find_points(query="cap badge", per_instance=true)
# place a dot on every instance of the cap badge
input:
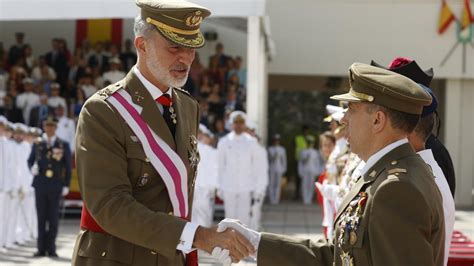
(194, 19)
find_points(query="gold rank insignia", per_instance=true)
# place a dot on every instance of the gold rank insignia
(194, 153)
(347, 259)
(194, 19)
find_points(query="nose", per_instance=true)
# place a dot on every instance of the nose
(345, 119)
(187, 55)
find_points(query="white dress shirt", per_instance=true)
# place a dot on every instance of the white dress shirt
(381, 153)
(187, 236)
(26, 101)
(448, 201)
(66, 130)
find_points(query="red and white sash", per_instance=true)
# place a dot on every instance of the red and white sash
(165, 160)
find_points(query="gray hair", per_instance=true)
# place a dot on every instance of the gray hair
(141, 28)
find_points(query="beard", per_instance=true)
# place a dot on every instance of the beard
(162, 73)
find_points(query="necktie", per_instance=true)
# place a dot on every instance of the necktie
(168, 112)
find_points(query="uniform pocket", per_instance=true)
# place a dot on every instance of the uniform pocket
(105, 247)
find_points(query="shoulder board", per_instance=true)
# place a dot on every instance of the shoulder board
(396, 171)
(109, 90)
(185, 92)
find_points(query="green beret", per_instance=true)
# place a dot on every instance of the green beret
(177, 21)
(385, 88)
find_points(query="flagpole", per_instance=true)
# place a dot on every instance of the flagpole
(449, 53)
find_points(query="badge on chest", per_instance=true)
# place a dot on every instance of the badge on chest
(350, 220)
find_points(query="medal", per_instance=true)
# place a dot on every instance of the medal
(194, 153)
(173, 114)
(352, 238)
(347, 259)
(49, 173)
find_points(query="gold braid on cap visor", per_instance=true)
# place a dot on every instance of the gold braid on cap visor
(170, 28)
(362, 96)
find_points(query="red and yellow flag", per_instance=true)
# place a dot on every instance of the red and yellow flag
(446, 17)
(466, 18)
(95, 30)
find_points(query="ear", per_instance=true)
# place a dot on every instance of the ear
(379, 121)
(140, 45)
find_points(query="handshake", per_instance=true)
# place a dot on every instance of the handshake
(229, 242)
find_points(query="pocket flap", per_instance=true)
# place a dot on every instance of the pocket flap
(105, 247)
(136, 152)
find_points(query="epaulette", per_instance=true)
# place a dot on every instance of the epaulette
(109, 90)
(186, 93)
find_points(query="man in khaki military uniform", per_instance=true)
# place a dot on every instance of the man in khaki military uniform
(393, 215)
(137, 153)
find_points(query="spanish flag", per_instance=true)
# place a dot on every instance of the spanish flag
(446, 16)
(466, 18)
(99, 30)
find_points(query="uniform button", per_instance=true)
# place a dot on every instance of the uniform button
(103, 254)
(170, 213)
(153, 252)
(147, 160)
(394, 162)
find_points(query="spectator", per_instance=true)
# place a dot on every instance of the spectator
(3, 77)
(77, 67)
(215, 101)
(98, 57)
(197, 71)
(17, 74)
(220, 56)
(66, 127)
(219, 128)
(232, 104)
(57, 59)
(128, 56)
(55, 99)
(28, 57)
(10, 111)
(80, 100)
(86, 86)
(41, 111)
(114, 74)
(205, 87)
(27, 100)
(16, 51)
(43, 72)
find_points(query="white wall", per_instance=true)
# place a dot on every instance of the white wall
(324, 37)
(459, 128)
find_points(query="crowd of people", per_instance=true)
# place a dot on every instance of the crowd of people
(66, 78)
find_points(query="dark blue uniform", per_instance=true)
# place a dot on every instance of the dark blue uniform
(54, 173)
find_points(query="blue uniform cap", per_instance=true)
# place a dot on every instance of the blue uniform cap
(429, 109)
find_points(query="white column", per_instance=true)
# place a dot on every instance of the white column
(459, 128)
(256, 96)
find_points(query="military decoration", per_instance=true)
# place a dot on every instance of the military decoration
(143, 180)
(173, 114)
(49, 173)
(58, 154)
(194, 153)
(347, 259)
(350, 220)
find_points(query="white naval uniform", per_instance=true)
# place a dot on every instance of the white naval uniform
(66, 130)
(24, 229)
(55, 101)
(258, 194)
(12, 188)
(237, 167)
(448, 201)
(310, 166)
(113, 76)
(277, 167)
(4, 169)
(205, 187)
(26, 101)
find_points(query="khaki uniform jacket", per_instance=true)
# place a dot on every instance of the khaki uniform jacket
(120, 187)
(400, 223)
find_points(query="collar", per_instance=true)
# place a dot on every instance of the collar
(154, 91)
(53, 139)
(378, 155)
(427, 156)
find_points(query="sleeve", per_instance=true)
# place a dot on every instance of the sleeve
(221, 153)
(291, 251)
(284, 160)
(400, 231)
(262, 169)
(32, 157)
(106, 187)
